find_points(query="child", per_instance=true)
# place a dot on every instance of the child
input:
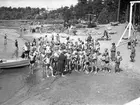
(87, 64)
(105, 60)
(94, 62)
(49, 69)
(133, 53)
(113, 52)
(117, 62)
(32, 57)
(97, 47)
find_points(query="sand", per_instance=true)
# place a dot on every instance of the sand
(97, 33)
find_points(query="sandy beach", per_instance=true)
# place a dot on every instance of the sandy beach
(77, 88)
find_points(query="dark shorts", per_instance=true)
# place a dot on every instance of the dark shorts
(26, 52)
(48, 65)
(87, 63)
(32, 62)
(129, 43)
(117, 63)
(106, 62)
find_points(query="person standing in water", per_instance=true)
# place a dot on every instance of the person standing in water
(5, 40)
(16, 50)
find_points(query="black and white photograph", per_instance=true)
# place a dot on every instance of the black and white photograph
(69, 52)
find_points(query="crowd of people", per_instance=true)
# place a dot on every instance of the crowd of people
(58, 58)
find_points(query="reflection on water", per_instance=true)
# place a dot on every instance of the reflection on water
(12, 80)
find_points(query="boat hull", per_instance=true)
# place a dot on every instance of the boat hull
(14, 64)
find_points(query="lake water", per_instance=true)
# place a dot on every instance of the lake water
(13, 80)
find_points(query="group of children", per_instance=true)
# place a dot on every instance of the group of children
(56, 57)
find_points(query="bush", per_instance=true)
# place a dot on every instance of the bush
(105, 17)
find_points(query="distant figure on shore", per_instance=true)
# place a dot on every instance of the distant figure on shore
(21, 31)
(5, 40)
(105, 35)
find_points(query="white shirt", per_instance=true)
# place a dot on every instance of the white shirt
(94, 56)
(47, 60)
(25, 48)
(56, 54)
(48, 49)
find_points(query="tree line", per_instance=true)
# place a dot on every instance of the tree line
(103, 11)
(9, 13)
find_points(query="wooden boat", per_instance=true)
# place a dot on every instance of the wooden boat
(114, 23)
(14, 63)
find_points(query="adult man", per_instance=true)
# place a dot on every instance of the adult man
(61, 63)
(113, 52)
(54, 61)
(117, 62)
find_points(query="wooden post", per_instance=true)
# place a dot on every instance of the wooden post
(118, 15)
(134, 17)
(130, 19)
